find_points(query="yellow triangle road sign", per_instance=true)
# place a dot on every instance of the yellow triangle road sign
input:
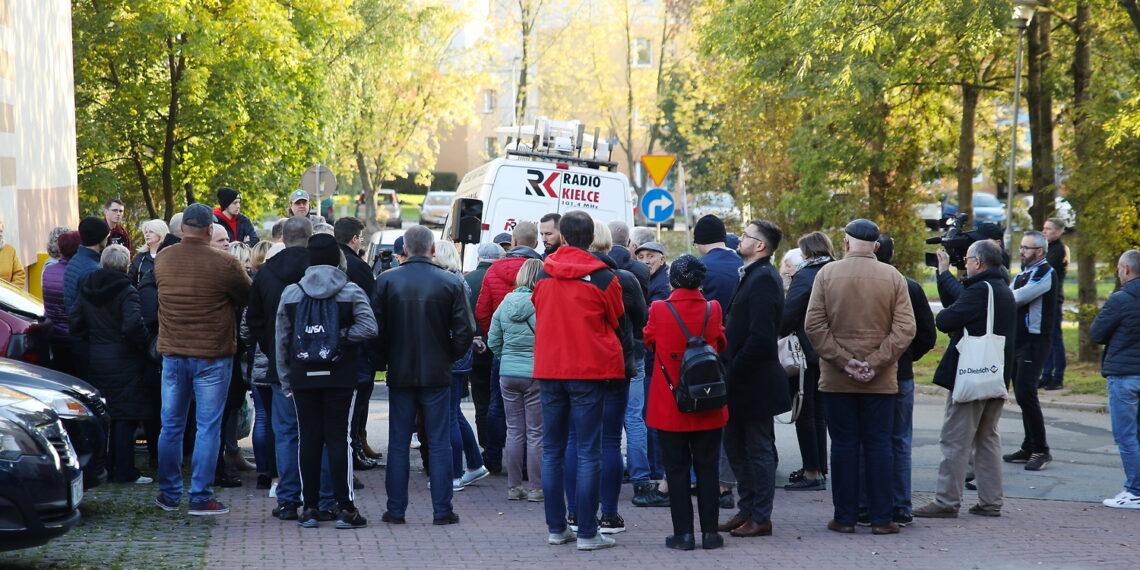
(658, 165)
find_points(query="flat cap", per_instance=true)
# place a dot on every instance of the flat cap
(651, 246)
(198, 215)
(862, 229)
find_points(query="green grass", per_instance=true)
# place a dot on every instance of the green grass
(1080, 377)
(1104, 286)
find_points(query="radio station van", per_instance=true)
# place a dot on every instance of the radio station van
(530, 181)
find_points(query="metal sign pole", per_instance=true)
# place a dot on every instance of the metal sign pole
(685, 207)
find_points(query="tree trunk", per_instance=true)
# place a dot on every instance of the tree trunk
(966, 143)
(1082, 152)
(177, 65)
(527, 19)
(144, 182)
(1133, 10)
(369, 193)
(1039, 102)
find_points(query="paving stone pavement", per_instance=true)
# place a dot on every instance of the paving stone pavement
(511, 534)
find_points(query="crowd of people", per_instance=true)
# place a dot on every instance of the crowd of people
(561, 352)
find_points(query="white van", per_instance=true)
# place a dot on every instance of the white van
(526, 185)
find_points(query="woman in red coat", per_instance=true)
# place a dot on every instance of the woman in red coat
(687, 439)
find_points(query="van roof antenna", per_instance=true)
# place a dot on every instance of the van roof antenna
(581, 133)
(537, 135)
(597, 131)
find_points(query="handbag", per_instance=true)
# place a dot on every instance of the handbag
(792, 358)
(981, 363)
(791, 354)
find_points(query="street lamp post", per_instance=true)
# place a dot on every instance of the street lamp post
(1022, 14)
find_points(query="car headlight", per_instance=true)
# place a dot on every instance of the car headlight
(15, 442)
(63, 405)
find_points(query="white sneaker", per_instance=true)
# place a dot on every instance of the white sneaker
(473, 475)
(415, 441)
(456, 485)
(596, 542)
(143, 480)
(563, 537)
(1124, 500)
(273, 490)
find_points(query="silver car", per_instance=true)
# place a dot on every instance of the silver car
(436, 207)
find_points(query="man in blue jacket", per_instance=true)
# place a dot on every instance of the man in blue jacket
(1118, 328)
(723, 266)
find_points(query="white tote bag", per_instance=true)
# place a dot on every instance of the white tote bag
(981, 363)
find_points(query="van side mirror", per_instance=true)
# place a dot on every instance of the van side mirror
(467, 216)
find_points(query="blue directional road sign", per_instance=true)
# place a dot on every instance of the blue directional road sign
(657, 205)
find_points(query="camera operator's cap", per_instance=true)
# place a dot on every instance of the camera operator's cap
(650, 246)
(502, 238)
(398, 246)
(198, 215)
(862, 229)
(298, 195)
(988, 230)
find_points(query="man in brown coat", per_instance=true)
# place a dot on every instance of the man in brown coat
(860, 320)
(199, 290)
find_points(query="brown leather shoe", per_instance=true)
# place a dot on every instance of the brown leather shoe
(889, 528)
(752, 528)
(737, 520)
(840, 527)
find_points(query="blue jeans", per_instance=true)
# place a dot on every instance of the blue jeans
(636, 452)
(1054, 370)
(263, 445)
(614, 405)
(286, 440)
(207, 381)
(462, 436)
(860, 425)
(401, 424)
(901, 436)
(496, 420)
(652, 446)
(566, 403)
(1124, 409)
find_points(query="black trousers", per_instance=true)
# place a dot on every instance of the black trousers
(122, 451)
(699, 451)
(360, 413)
(1029, 356)
(480, 380)
(323, 416)
(811, 426)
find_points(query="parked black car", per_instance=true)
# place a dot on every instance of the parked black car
(78, 404)
(41, 485)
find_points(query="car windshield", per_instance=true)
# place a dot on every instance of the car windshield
(986, 200)
(388, 198)
(438, 200)
(16, 300)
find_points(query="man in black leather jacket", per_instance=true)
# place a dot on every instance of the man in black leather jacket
(425, 323)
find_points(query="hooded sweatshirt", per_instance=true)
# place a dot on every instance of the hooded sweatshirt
(356, 323)
(511, 337)
(578, 302)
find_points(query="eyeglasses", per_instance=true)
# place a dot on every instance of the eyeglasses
(748, 235)
(1024, 247)
(969, 257)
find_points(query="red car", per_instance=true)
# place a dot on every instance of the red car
(23, 328)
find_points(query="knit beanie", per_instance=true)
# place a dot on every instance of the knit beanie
(323, 250)
(226, 196)
(709, 229)
(686, 272)
(93, 230)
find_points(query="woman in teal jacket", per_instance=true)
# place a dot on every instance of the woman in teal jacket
(511, 338)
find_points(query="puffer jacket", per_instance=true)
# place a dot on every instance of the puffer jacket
(106, 315)
(1118, 327)
(356, 323)
(82, 263)
(498, 281)
(54, 308)
(511, 337)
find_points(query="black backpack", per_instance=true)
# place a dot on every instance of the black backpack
(316, 330)
(701, 385)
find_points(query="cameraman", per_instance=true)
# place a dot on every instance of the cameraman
(971, 425)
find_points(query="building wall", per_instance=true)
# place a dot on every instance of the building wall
(38, 182)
